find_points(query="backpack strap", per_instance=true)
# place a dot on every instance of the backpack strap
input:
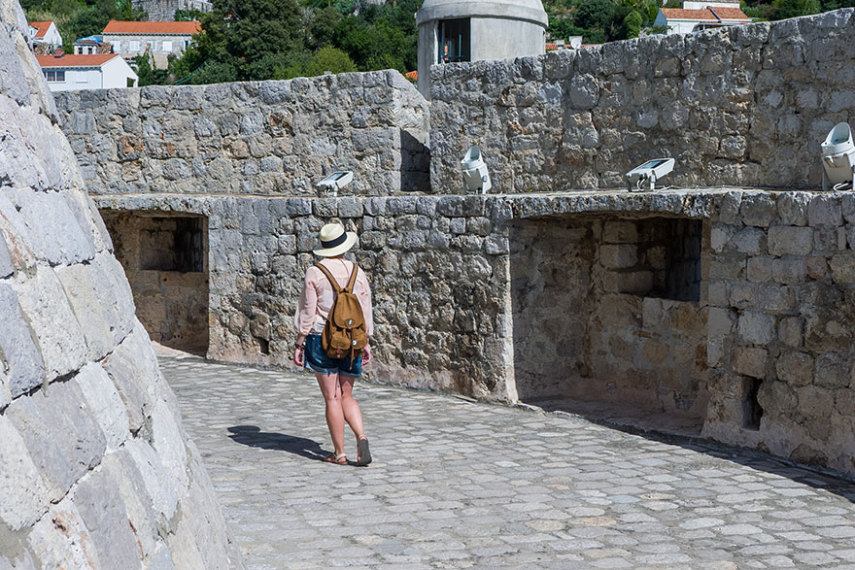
(352, 282)
(326, 272)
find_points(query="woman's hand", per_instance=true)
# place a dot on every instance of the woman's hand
(366, 354)
(299, 357)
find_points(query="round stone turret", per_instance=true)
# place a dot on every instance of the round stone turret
(453, 31)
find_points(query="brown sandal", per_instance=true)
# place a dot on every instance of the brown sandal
(337, 459)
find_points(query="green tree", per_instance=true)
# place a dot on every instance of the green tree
(632, 24)
(147, 74)
(329, 59)
(794, 8)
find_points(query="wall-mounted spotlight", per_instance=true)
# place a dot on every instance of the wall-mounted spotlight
(336, 181)
(648, 173)
(838, 159)
(476, 178)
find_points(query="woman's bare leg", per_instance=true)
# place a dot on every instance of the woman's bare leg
(349, 406)
(330, 388)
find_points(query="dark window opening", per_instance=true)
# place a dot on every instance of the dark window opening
(264, 346)
(752, 410)
(454, 41)
(657, 257)
(173, 244)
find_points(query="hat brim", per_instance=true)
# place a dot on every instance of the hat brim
(339, 249)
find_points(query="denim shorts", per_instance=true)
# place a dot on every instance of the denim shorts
(316, 360)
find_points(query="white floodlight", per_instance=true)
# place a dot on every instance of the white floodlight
(336, 181)
(648, 173)
(475, 176)
(838, 158)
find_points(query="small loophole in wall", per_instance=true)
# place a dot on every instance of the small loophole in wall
(753, 412)
(264, 346)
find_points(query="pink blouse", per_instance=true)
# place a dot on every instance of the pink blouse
(317, 297)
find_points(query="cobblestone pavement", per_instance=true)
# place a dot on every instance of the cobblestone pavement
(457, 484)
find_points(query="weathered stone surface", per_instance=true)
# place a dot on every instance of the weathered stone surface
(104, 403)
(63, 442)
(61, 540)
(130, 368)
(54, 326)
(790, 240)
(104, 514)
(161, 497)
(19, 354)
(23, 493)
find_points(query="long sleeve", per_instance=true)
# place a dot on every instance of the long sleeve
(306, 315)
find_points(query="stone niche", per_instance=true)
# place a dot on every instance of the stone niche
(165, 257)
(608, 312)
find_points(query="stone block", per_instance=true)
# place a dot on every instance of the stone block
(61, 540)
(756, 328)
(829, 240)
(793, 208)
(55, 234)
(751, 241)
(141, 464)
(750, 361)
(105, 404)
(18, 350)
(759, 269)
(298, 207)
(790, 331)
(24, 497)
(350, 208)
(495, 245)
(105, 516)
(790, 240)
(795, 368)
(61, 415)
(790, 270)
(168, 441)
(618, 256)
(97, 319)
(758, 210)
(6, 267)
(720, 323)
(843, 268)
(832, 370)
(825, 211)
(52, 321)
(131, 366)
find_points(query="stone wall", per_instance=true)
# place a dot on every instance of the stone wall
(270, 138)
(596, 320)
(746, 106)
(436, 264)
(95, 468)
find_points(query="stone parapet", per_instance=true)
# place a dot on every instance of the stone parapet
(270, 138)
(743, 106)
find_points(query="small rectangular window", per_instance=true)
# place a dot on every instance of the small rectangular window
(166, 46)
(454, 40)
(53, 75)
(133, 45)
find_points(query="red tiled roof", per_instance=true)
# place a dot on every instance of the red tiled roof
(730, 13)
(707, 14)
(681, 14)
(412, 75)
(41, 27)
(148, 28)
(82, 60)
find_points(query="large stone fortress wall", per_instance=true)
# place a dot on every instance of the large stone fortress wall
(271, 138)
(718, 308)
(743, 106)
(95, 468)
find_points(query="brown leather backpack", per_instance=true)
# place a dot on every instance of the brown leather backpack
(344, 335)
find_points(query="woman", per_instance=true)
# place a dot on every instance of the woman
(335, 375)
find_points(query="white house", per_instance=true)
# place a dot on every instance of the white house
(156, 39)
(95, 71)
(45, 36)
(89, 45)
(695, 16)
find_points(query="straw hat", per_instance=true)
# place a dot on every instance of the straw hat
(334, 240)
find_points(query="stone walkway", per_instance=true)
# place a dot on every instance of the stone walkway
(457, 484)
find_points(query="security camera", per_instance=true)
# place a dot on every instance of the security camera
(648, 173)
(838, 159)
(476, 178)
(336, 181)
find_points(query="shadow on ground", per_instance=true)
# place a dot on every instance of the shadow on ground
(687, 434)
(254, 437)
